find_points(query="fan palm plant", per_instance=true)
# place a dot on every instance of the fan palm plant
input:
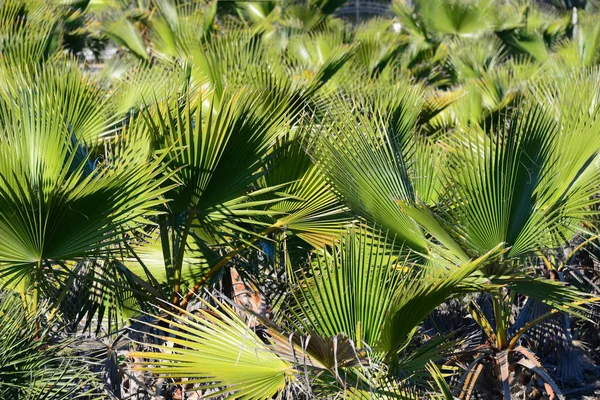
(505, 351)
(470, 216)
(360, 298)
(248, 153)
(49, 181)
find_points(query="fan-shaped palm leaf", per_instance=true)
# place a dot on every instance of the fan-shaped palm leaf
(217, 348)
(48, 184)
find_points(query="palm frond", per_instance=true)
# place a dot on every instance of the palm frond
(217, 348)
(33, 364)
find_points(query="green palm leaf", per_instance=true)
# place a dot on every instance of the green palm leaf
(419, 293)
(219, 151)
(47, 184)
(124, 32)
(350, 290)
(368, 162)
(217, 348)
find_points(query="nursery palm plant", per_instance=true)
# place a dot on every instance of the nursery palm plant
(350, 179)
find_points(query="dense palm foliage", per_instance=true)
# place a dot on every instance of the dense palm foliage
(260, 200)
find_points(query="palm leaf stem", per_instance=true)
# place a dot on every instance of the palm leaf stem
(515, 339)
(222, 263)
(164, 242)
(178, 252)
(575, 250)
(500, 319)
(36, 286)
